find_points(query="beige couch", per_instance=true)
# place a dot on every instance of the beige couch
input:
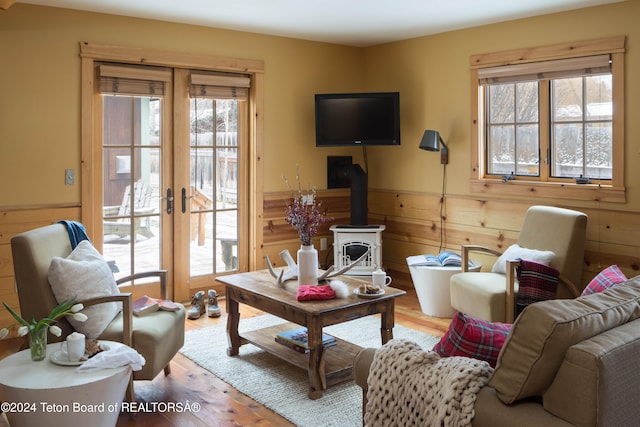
(565, 363)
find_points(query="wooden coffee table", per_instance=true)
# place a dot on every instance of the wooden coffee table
(325, 366)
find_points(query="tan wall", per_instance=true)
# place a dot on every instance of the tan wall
(40, 92)
(40, 120)
(40, 104)
(432, 74)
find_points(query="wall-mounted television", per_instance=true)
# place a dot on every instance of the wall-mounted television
(353, 119)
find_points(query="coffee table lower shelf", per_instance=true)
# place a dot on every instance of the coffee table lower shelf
(338, 359)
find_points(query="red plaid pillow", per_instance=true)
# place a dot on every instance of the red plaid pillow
(604, 280)
(475, 338)
(536, 282)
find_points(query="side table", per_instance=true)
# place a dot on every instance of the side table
(43, 393)
(432, 287)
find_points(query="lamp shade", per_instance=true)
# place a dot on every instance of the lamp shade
(430, 141)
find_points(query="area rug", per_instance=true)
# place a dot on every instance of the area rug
(282, 387)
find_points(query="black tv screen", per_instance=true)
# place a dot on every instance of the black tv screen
(358, 119)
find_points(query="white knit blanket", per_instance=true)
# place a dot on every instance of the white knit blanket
(408, 386)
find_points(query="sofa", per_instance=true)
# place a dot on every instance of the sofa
(565, 362)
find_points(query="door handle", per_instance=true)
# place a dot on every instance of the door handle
(169, 201)
(184, 200)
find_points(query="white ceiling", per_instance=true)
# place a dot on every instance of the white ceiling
(348, 22)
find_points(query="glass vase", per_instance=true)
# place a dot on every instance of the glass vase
(307, 265)
(38, 344)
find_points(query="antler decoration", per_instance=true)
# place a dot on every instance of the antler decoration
(291, 272)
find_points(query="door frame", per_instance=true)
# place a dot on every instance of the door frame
(91, 173)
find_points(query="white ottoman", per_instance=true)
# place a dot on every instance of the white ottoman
(432, 287)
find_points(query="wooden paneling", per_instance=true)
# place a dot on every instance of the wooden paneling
(413, 226)
(12, 222)
(556, 51)
(277, 235)
(612, 235)
(412, 223)
(335, 202)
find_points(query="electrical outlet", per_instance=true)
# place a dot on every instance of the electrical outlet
(323, 243)
(69, 176)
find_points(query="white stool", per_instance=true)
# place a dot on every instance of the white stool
(432, 286)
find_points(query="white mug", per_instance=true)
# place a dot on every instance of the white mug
(380, 278)
(75, 346)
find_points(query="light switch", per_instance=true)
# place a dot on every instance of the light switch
(69, 176)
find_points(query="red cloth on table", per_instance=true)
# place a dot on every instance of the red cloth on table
(314, 292)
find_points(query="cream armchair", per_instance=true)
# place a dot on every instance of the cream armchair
(491, 296)
(157, 337)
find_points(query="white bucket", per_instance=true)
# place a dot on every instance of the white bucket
(432, 286)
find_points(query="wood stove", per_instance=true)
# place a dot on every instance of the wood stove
(350, 242)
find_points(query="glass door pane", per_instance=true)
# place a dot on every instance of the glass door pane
(131, 183)
(213, 186)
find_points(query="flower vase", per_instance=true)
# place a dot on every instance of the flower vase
(38, 344)
(307, 265)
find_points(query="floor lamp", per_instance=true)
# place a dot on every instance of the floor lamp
(431, 141)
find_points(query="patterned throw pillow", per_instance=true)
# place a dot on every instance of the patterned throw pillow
(604, 280)
(475, 338)
(536, 282)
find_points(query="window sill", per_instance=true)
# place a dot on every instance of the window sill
(551, 190)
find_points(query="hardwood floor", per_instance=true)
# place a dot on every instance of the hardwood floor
(221, 404)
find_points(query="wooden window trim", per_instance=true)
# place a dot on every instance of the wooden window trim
(481, 183)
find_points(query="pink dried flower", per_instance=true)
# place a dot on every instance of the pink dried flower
(303, 213)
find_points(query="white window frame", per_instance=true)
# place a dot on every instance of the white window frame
(610, 190)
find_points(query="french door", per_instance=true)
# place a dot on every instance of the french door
(211, 124)
(170, 147)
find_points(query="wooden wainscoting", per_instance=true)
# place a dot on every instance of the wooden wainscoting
(277, 235)
(12, 222)
(412, 223)
(413, 227)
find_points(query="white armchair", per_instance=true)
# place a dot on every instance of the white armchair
(491, 295)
